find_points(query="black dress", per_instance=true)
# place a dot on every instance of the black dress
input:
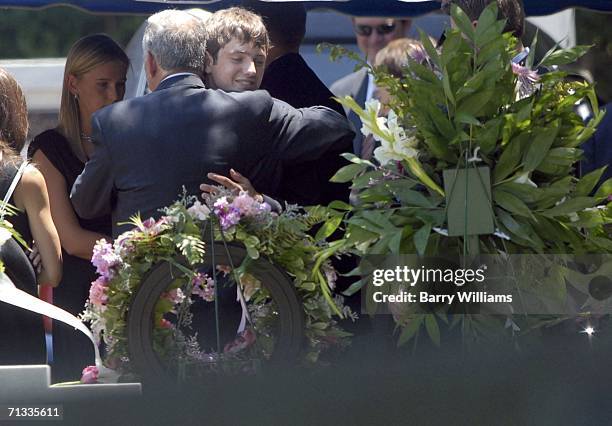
(72, 351)
(22, 336)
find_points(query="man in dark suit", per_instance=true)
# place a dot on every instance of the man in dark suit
(148, 148)
(372, 34)
(289, 78)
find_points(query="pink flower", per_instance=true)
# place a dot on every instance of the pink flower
(97, 292)
(203, 286)
(225, 269)
(228, 215)
(151, 227)
(246, 205)
(164, 323)
(241, 342)
(525, 73)
(105, 259)
(90, 375)
(175, 296)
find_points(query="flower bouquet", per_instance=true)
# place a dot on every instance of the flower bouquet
(469, 124)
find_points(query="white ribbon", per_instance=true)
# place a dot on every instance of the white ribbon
(13, 296)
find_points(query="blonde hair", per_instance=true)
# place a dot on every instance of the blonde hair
(13, 118)
(86, 54)
(395, 55)
(235, 22)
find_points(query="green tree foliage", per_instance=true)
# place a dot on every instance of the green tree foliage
(50, 32)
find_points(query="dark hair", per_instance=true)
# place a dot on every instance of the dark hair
(13, 117)
(286, 22)
(510, 10)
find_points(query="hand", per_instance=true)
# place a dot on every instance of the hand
(35, 258)
(237, 184)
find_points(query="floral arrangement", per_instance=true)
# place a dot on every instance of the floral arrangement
(177, 238)
(468, 106)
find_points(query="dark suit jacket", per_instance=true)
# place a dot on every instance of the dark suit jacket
(148, 148)
(290, 79)
(354, 85)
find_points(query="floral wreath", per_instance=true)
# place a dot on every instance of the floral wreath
(280, 238)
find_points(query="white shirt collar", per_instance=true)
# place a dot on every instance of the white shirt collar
(371, 87)
(176, 75)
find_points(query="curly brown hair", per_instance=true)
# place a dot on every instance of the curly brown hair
(235, 22)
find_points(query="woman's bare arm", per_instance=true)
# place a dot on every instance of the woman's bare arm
(31, 196)
(75, 240)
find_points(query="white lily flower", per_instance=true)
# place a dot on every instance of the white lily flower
(384, 155)
(524, 178)
(372, 109)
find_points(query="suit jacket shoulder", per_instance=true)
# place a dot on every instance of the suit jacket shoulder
(350, 84)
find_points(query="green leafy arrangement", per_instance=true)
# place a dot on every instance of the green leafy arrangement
(465, 106)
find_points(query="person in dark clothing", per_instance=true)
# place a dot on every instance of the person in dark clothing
(289, 78)
(598, 149)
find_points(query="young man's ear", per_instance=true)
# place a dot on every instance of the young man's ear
(209, 63)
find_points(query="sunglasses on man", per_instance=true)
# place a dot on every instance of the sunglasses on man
(366, 30)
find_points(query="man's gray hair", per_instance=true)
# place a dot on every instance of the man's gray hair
(177, 40)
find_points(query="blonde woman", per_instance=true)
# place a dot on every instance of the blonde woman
(22, 185)
(94, 77)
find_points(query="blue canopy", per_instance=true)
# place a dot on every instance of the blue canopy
(350, 7)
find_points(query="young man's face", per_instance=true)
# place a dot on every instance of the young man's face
(239, 67)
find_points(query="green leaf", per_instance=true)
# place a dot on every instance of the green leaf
(395, 242)
(355, 287)
(409, 197)
(354, 159)
(564, 56)
(462, 21)
(446, 85)
(464, 118)
(571, 205)
(421, 237)
(486, 29)
(525, 192)
(604, 190)
(510, 158)
(586, 184)
(340, 205)
(431, 325)
(308, 286)
(532, 50)
(429, 48)
(539, 146)
(474, 104)
(329, 227)
(487, 137)
(515, 228)
(511, 203)
(414, 324)
(348, 173)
